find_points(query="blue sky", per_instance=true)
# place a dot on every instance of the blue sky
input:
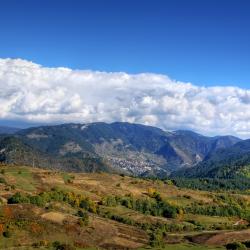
(203, 42)
(176, 60)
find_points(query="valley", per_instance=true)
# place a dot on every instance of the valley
(124, 125)
(118, 147)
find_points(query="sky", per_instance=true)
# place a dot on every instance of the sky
(173, 64)
(204, 42)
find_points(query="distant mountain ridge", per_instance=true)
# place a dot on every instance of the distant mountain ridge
(121, 147)
(8, 130)
(228, 162)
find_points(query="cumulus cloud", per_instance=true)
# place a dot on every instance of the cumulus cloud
(33, 93)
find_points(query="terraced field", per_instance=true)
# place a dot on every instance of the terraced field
(41, 209)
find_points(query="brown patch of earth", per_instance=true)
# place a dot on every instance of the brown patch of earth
(220, 238)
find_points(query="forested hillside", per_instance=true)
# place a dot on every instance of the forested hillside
(117, 147)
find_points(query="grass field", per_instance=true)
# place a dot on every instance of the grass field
(22, 178)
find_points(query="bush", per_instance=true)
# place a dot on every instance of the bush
(122, 219)
(18, 198)
(110, 201)
(7, 234)
(84, 220)
(56, 244)
(247, 243)
(2, 180)
(236, 246)
(156, 238)
(37, 200)
(41, 243)
(61, 246)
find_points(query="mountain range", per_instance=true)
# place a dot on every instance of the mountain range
(125, 148)
(223, 163)
(8, 130)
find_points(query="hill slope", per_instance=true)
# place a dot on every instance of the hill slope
(8, 130)
(44, 209)
(223, 163)
(130, 148)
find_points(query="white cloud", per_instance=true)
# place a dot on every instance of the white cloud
(33, 93)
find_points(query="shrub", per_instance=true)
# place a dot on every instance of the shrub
(18, 198)
(247, 243)
(109, 201)
(37, 200)
(7, 234)
(56, 244)
(169, 182)
(156, 238)
(62, 246)
(41, 243)
(235, 246)
(2, 180)
(69, 181)
(84, 220)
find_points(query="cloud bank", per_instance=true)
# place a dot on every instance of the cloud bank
(32, 93)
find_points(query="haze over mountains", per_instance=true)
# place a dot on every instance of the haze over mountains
(124, 147)
(8, 130)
